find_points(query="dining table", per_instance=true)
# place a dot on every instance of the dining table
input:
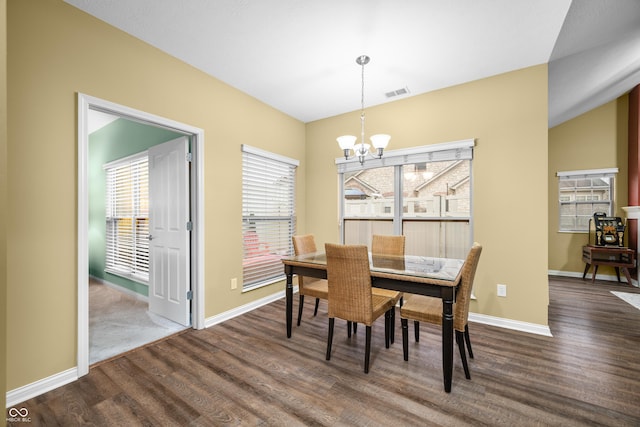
(422, 275)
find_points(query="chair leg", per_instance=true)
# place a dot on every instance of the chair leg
(416, 330)
(367, 350)
(463, 355)
(315, 311)
(349, 328)
(405, 338)
(330, 337)
(355, 327)
(300, 307)
(468, 340)
(387, 328)
(392, 323)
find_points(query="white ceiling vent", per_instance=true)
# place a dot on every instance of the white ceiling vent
(397, 92)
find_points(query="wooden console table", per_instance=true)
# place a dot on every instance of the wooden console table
(620, 258)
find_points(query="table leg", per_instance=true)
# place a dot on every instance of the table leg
(625, 270)
(447, 337)
(586, 270)
(289, 298)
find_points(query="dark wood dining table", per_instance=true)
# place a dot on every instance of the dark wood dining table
(436, 277)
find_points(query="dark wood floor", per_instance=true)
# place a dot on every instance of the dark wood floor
(246, 372)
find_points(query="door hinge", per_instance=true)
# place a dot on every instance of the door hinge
(189, 157)
(189, 226)
(189, 295)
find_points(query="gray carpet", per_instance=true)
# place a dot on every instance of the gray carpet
(119, 322)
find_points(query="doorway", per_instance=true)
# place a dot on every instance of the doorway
(139, 254)
(87, 104)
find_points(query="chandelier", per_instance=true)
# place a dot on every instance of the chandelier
(348, 142)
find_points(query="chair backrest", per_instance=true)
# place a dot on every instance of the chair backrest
(349, 280)
(304, 244)
(463, 297)
(387, 245)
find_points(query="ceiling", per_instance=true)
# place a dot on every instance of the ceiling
(299, 56)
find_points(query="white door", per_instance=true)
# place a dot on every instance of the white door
(169, 246)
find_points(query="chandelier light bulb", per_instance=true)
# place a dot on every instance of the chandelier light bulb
(346, 143)
(380, 142)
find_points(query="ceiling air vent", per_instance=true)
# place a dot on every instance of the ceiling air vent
(397, 92)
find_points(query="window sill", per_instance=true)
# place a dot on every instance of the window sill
(128, 276)
(263, 284)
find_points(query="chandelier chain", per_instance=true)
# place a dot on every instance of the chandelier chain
(363, 60)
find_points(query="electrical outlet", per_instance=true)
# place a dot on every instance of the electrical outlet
(502, 290)
(234, 283)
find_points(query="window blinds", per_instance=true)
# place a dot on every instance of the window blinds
(127, 218)
(268, 214)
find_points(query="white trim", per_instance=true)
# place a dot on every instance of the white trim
(269, 155)
(452, 145)
(42, 386)
(608, 171)
(532, 328)
(83, 236)
(238, 311)
(85, 103)
(447, 151)
(607, 277)
(565, 273)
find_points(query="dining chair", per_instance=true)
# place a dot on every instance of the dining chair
(315, 288)
(350, 294)
(421, 308)
(388, 245)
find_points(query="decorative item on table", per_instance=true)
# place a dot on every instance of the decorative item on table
(609, 230)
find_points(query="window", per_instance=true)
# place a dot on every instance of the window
(583, 193)
(423, 193)
(268, 215)
(127, 217)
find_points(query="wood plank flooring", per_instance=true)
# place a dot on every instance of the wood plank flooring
(246, 372)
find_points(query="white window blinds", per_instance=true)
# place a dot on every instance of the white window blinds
(127, 217)
(268, 215)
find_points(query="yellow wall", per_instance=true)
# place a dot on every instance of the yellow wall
(3, 198)
(594, 140)
(54, 52)
(507, 114)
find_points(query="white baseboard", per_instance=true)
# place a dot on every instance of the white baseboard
(230, 314)
(607, 277)
(41, 386)
(501, 322)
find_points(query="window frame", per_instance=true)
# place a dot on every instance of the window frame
(130, 267)
(585, 174)
(448, 151)
(261, 257)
